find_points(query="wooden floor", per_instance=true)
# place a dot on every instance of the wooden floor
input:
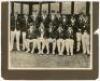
(27, 60)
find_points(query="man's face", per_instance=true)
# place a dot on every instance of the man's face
(58, 15)
(79, 30)
(25, 15)
(50, 29)
(52, 16)
(60, 29)
(85, 31)
(70, 29)
(81, 16)
(41, 26)
(33, 14)
(44, 15)
(64, 18)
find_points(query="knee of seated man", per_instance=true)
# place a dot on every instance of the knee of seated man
(49, 39)
(58, 40)
(54, 40)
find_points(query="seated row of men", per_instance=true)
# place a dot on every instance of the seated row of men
(41, 30)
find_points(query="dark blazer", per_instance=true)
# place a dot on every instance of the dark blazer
(68, 35)
(45, 21)
(14, 23)
(52, 34)
(23, 23)
(49, 34)
(86, 27)
(37, 22)
(59, 21)
(60, 35)
(30, 20)
(54, 23)
(32, 34)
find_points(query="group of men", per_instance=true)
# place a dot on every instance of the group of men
(50, 30)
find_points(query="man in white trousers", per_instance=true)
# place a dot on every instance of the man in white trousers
(15, 32)
(54, 21)
(24, 27)
(69, 42)
(78, 39)
(41, 41)
(60, 40)
(86, 42)
(45, 21)
(50, 39)
(31, 38)
(34, 28)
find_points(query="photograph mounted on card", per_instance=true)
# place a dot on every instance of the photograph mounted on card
(49, 38)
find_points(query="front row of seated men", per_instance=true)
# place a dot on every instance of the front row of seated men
(41, 33)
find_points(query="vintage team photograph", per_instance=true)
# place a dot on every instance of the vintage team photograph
(50, 35)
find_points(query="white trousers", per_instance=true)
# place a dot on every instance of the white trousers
(69, 43)
(85, 43)
(36, 44)
(79, 40)
(15, 34)
(41, 43)
(28, 41)
(60, 46)
(53, 41)
(24, 45)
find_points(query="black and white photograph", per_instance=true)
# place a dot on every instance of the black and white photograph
(50, 35)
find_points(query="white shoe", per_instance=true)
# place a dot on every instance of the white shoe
(77, 50)
(40, 52)
(60, 54)
(71, 54)
(27, 51)
(32, 52)
(48, 53)
(53, 53)
(18, 49)
(84, 52)
(68, 54)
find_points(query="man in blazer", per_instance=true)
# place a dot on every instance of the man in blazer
(54, 22)
(36, 19)
(51, 39)
(85, 40)
(15, 31)
(60, 40)
(64, 21)
(69, 42)
(40, 39)
(24, 27)
(59, 18)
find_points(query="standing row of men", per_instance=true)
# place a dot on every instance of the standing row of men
(44, 29)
